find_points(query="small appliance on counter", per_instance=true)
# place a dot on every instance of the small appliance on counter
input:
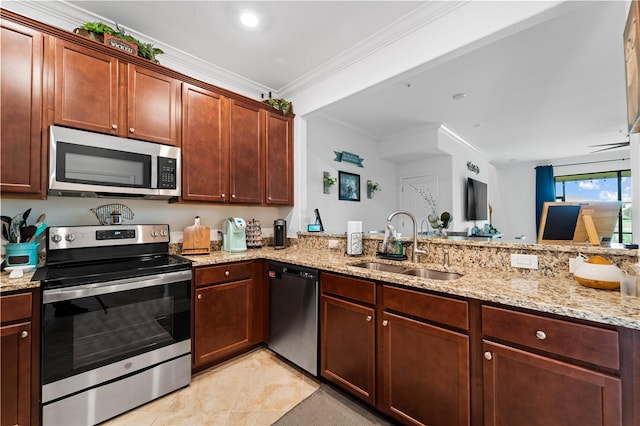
(234, 238)
(279, 234)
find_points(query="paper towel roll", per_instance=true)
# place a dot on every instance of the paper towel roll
(354, 237)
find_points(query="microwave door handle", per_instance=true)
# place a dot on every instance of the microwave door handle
(77, 292)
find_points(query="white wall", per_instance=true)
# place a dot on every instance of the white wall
(517, 186)
(323, 138)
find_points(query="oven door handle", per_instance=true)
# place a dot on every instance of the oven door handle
(77, 292)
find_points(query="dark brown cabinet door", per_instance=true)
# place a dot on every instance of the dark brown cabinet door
(279, 160)
(205, 145)
(152, 103)
(524, 389)
(15, 371)
(425, 373)
(348, 346)
(245, 152)
(21, 50)
(222, 320)
(86, 89)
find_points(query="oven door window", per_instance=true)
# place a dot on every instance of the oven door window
(86, 333)
(100, 166)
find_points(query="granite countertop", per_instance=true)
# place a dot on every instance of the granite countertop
(561, 296)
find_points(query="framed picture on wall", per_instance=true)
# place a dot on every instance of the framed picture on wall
(348, 186)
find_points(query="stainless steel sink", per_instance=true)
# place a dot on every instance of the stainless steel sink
(416, 272)
(377, 266)
(433, 275)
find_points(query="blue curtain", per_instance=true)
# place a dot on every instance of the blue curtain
(545, 190)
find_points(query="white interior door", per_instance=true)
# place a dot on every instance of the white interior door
(414, 202)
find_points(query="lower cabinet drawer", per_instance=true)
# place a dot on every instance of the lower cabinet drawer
(578, 341)
(222, 273)
(444, 310)
(15, 307)
(351, 288)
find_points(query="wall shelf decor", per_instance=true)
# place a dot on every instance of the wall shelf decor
(327, 182)
(372, 187)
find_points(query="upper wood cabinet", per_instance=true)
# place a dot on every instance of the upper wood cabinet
(95, 91)
(246, 133)
(21, 148)
(205, 145)
(278, 160)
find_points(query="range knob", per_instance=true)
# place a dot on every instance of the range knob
(154, 233)
(70, 237)
(56, 238)
(163, 233)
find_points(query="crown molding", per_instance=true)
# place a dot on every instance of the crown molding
(417, 19)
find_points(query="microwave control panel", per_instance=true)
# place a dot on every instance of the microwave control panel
(167, 171)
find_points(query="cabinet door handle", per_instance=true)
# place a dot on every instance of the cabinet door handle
(269, 198)
(369, 318)
(226, 273)
(385, 323)
(24, 334)
(132, 130)
(233, 195)
(488, 355)
(222, 195)
(541, 335)
(114, 126)
(199, 297)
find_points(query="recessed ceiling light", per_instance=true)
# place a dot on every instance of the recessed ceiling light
(249, 19)
(459, 96)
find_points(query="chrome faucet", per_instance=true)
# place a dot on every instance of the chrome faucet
(416, 250)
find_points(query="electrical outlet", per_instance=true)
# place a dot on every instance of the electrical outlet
(333, 244)
(525, 261)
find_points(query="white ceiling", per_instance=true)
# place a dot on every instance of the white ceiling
(545, 92)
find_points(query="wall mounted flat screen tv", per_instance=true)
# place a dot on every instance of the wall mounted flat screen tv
(476, 200)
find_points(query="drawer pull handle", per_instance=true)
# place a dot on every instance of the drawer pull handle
(24, 334)
(114, 126)
(199, 297)
(222, 195)
(541, 335)
(132, 130)
(369, 318)
(488, 356)
(385, 323)
(226, 273)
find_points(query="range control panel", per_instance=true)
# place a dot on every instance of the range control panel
(67, 237)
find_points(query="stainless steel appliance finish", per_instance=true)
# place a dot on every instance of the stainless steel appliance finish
(279, 234)
(87, 164)
(116, 311)
(294, 314)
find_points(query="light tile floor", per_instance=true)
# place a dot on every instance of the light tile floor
(254, 389)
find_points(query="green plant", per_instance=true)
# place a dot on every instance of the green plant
(328, 180)
(145, 50)
(373, 186)
(280, 104)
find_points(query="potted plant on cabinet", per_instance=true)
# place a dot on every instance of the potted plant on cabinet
(101, 32)
(281, 105)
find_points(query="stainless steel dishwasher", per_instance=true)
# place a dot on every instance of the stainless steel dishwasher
(293, 317)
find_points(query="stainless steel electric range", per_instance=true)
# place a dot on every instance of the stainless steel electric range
(116, 310)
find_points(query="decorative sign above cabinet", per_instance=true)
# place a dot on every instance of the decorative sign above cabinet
(348, 157)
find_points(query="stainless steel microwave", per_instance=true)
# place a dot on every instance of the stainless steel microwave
(88, 164)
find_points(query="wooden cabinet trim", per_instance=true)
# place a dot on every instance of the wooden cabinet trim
(581, 342)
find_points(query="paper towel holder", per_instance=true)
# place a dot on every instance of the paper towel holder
(356, 244)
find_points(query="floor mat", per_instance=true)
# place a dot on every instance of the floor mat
(327, 406)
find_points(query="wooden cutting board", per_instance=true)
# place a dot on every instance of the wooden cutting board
(196, 238)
